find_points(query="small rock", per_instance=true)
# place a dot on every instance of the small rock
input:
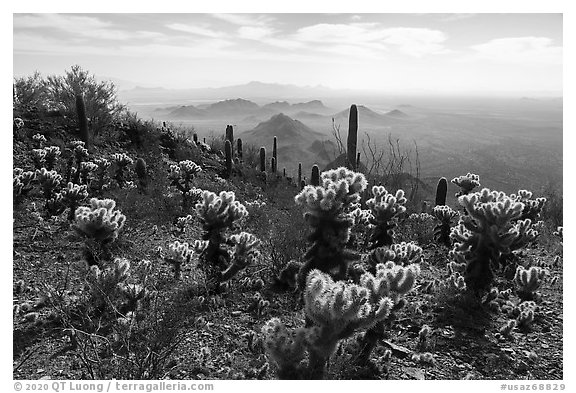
(236, 313)
(545, 346)
(45, 377)
(397, 350)
(415, 373)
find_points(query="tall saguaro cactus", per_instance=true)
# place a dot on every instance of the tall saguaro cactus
(300, 174)
(228, 153)
(441, 191)
(352, 137)
(239, 149)
(230, 136)
(275, 152)
(262, 159)
(273, 165)
(82, 119)
(315, 178)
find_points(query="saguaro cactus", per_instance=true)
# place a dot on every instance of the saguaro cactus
(262, 159)
(239, 148)
(352, 137)
(82, 119)
(230, 135)
(273, 165)
(441, 191)
(275, 152)
(358, 161)
(300, 174)
(315, 178)
(228, 151)
(142, 173)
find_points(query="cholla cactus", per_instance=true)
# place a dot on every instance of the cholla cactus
(466, 183)
(526, 312)
(528, 281)
(86, 168)
(444, 215)
(285, 348)
(39, 140)
(99, 221)
(328, 212)
(134, 294)
(39, 158)
(335, 310)
(177, 255)
(181, 177)
(101, 172)
(122, 161)
(22, 182)
(217, 213)
(18, 123)
(532, 207)
(76, 152)
(104, 284)
(559, 232)
(488, 234)
(506, 330)
(385, 208)
(182, 223)
(402, 254)
(72, 195)
(49, 182)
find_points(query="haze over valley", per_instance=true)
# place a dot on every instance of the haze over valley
(508, 141)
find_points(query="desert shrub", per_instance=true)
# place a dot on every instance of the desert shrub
(102, 106)
(30, 91)
(553, 211)
(418, 228)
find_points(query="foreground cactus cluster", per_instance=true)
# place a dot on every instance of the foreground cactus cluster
(491, 231)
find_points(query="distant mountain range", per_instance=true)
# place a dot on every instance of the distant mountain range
(252, 90)
(241, 108)
(296, 141)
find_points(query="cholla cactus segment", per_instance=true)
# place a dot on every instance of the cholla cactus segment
(88, 166)
(74, 193)
(528, 281)
(184, 169)
(444, 215)
(183, 222)
(49, 181)
(18, 123)
(122, 159)
(22, 181)
(39, 158)
(400, 254)
(385, 208)
(99, 221)
(285, 348)
(199, 246)
(559, 232)
(39, 139)
(178, 253)
(340, 188)
(245, 253)
(219, 211)
(102, 163)
(467, 183)
(532, 207)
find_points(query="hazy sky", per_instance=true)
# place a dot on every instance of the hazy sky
(437, 53)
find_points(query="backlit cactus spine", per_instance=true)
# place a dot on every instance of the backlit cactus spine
(441, 192)
(385, 208)
(352, 137)
(262, 159)
(217, 214)
(328, 213)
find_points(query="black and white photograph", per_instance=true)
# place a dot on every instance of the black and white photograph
(209, 196)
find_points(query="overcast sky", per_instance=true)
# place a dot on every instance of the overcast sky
(437, 53)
